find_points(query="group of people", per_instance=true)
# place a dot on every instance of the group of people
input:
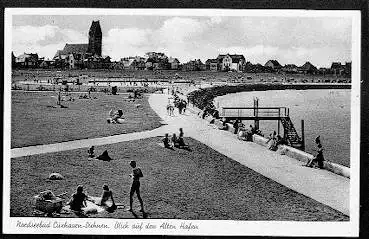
(79, 199)
(115, 117)
(244, 133)
(274, 140)
(179, 103)
(174, 141)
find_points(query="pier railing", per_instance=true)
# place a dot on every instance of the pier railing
(263, 113)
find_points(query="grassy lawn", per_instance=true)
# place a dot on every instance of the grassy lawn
(180, 184)
(34, 122)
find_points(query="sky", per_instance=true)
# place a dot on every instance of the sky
(290, 40)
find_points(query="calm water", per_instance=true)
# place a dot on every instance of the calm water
(325, 112)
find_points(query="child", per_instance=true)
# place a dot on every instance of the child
(78, 200)
(136, 175)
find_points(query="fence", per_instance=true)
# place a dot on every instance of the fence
(80, 88)
(261, 112)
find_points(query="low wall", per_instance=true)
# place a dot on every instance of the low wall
(283, 149)
(304, 157)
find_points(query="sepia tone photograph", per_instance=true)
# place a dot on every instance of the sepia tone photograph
(181, 122)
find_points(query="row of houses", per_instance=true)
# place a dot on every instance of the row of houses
(74, 56)
(308, 68)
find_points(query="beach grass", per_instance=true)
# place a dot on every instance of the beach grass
(36, 120)
(179, 184)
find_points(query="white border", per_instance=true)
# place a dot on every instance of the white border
(208, 227)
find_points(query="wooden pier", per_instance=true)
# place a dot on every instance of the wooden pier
(256, 113)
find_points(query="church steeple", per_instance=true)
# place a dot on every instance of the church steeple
(95, 39)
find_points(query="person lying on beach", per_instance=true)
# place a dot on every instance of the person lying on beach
(78, 200)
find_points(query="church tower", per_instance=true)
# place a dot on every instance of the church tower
(95, 39)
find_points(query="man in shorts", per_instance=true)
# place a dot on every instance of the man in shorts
(136, 175)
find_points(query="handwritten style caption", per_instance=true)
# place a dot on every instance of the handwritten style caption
(117, 225)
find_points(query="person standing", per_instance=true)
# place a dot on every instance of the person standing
(136, 175)
(181, 134)
(235, 126)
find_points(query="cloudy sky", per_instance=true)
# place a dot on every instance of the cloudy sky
(319, 40)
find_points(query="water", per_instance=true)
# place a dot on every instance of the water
(325, 112)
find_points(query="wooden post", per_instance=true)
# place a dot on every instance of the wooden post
(303, 135)
(256, 113)
(279, 121)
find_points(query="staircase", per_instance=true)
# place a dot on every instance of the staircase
(290, 133)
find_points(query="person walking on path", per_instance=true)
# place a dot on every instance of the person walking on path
(136, 175)
(235, 126)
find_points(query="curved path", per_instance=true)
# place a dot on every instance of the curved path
(321, 185)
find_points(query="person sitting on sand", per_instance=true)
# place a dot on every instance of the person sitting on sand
(166, 142)
(106, 195)
(175, 140)
(114, 116)
(78, 200)
(181, 143)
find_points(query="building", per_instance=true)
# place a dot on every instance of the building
(47, 64)
(174, 63)
(290, 68)
(27, 60)
(94, 39)
(308, 68)
(13, 60)
(273, 64)
(194, 65)
(212, 65)
(230, 62)
(76, 55)
(348, 68)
